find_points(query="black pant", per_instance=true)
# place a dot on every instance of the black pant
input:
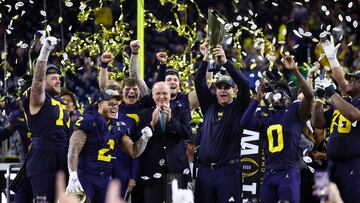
(153, 194)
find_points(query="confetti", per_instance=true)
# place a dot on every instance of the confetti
(23, 12)
(24, 46)
(48, 28)
(236, 24)
(252, 66)
(297, 33)
(274, 4)
(239, 18)
(348, 18)
(301, 31)
(323, 8)
(340, 18)
(355, 24)
(327, 13)
(307, 34)
(19, 43)
(350, 4)
(295, 46)
(60, 19)
(43, 13)
(323, 34)
(298, 3)
(251, 12)
(69, 4)
(70, 27)
(82, 6)
(18, 5)
(350, 43)
(336, 29)
(328, 28)
(228, 41)
(32, 2)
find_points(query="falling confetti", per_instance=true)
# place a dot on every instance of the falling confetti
(43, 13)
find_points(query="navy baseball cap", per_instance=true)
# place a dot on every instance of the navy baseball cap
(224, 79)
(109, 93)
(172, 71)
(355, 75)
(52, 69)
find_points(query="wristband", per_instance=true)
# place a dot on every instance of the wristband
(310, 77)
(103, 65)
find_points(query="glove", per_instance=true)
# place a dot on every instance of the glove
(326, 85)
(49, 44)
(331, 52)
(74, 185)
(146, 133)
(181, 195)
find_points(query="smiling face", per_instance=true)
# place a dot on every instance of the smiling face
(353, 87)
(131, 94)
(225, 93)
(109, 108)
(69, 103)
(174, 84)
(161, 94)
(53, 84)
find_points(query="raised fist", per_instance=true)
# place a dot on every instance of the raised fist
(161, 57)
(49, 43)
(106, 57)
(135, 46)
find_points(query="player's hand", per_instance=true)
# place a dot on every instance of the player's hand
(146, 133)
(155, 117)
(312, 70)
(181, 195)
(204, 49)
(135, 46)
(219, 54)
(288, 61)
(113, 192)
(162, 57)
(107, 57)
(167, 111)
(74, 184)
(324, 83)
(329, 48)
(49, 43)
(61, 197)
(260, 92)
(131, 185)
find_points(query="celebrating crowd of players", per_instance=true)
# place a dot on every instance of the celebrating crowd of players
(139, 135)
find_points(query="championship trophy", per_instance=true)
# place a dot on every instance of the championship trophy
(216, 32)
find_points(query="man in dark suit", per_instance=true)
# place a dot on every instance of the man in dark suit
(165, 153)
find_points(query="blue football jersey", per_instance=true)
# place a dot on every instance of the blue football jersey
(344, 140)
(96, 155)
(282, 130)
(51, 124)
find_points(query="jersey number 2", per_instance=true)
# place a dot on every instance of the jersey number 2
(102, 156)
(278, 134)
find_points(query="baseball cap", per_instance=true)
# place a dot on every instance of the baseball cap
(224, 79)
(355, 75)
(172, 71)
(52, 69)
(109, 93)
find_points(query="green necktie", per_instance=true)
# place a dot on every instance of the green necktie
(162, 121)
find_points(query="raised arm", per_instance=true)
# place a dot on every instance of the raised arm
(331, 54)
(202, 91)
(310, 77)
(135, 68)
(136, 149)
(106, 58)
(162, 58)
(306, 102)
(37, 91)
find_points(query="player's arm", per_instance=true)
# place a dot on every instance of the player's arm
(306, 102)
(317, 115)
(136, 149)
(251, 119)
(135, 68)
(106, 58)
(192, 96)
(77, 141)
(331, 54)
(37, 91)
(346, 109)
(311, 72)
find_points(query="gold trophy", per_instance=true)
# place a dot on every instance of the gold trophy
(216, 32)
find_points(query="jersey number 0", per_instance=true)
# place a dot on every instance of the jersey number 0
(275, 131)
